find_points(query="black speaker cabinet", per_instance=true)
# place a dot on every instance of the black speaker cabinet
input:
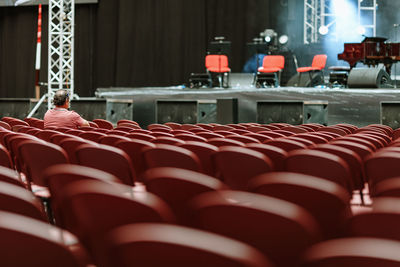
(369, 78)
(16, 107)
(118, 109)
(293, 112)
(227, 110)
(90, 108)
(315, 112)
(390, 113)
(180, 111)
(207, 111)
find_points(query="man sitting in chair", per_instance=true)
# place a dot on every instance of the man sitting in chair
(60, 116)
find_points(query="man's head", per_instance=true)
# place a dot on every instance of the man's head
(61, 98)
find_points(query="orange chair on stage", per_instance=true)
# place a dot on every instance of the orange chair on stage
(318, 64)
(269, 74)
(219, 65)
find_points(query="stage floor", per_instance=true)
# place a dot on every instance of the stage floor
(359, 107)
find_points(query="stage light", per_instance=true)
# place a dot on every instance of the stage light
(346, 22)
(268, 35)
(21, 2)
(361, 30)
(341, 4)
(323, 30)
(283, 39)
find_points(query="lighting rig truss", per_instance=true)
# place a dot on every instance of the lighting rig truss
(367, 15)
(317, 14)
(312, 20)
(60, 50)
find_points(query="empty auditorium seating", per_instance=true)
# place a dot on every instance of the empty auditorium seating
(356, 251)
(58, 176)
(326, 201)
(237, 165)
(104, 124)
(380, 166)
(163, 155)
(10, 176)
(302, 184)
(204, 152)
(92, 136)
(30, 242)
(70, 144)
(381, 222)
(17, 199)
(90, 208)
(274, 153)
(134, 149)
(167, 140)
(151, 244)
(177, 186)
(141, 136)
(5, 158)
(190, 137)
(286, 144)
(5, 125)
(37, 156)
(108, 159)
(389, 187)
(279, 229)
(111, 139)
(362, 150)
(320, 164)
(353, 161)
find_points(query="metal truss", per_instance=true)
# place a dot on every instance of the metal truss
(60, 51)
(317, 13)
(367, 14)
(312, 20)
(61, 47)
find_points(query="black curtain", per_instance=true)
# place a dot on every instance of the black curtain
(131, 43)
(17, 51)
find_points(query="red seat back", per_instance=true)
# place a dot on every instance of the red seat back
(274, 61)
(217, 63)
(319, 61)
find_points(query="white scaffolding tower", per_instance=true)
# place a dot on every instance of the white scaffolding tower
(312, 20)
(60, 50)
(317, 13)
(367, 15)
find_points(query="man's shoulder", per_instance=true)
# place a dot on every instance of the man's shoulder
(73, 114)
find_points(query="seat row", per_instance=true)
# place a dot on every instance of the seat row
(281, 223)
(213, 156)
(321, 198)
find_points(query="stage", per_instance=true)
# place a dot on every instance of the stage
(359, 107)
(239, 103)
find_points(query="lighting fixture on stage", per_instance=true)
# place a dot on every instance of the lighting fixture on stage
(323, 30)
(283, 39)
(21, 2)
(269, 35)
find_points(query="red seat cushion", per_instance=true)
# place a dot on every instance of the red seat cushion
(268, 70)
(305, 69)
(219, 69)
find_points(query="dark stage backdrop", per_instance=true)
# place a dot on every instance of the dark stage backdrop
(132, 43)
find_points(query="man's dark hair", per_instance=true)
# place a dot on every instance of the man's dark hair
(60, 97)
